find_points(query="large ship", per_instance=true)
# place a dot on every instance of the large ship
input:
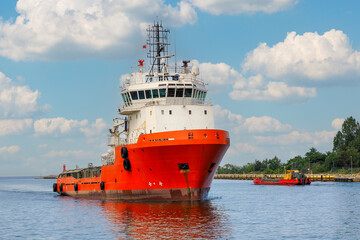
(165, 146)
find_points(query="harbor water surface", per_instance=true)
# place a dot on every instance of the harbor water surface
(235, 210)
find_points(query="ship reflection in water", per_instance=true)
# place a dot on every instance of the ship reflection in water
(170, 220)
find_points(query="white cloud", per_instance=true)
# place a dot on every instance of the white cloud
(57, 125)
(217, 74)
(63, 29)
(252, 82)
(12, 149)
(225, 119)
(61, 125)
(71, 153)
(236, 123)
(255, 88)
(337, 123)
(245, 148)
(222, 114)
(95, 128)
(296, 137)
(13, 126)
(273, 91)
(309, 56)
(17, 100)
(233, 7)
(265, 124)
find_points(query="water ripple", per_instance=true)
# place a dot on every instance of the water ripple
(234, 210)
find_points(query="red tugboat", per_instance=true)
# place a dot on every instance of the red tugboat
(165, 148)
(292, 177)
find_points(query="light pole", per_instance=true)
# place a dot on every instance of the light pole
(351, 163)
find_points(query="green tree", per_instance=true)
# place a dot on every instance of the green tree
(314, 156)
(295, 163)
(248, 168)
(258, 166)
(349, 135)
(274, 163)
(228, 168)
(331, 161)
(351, 157)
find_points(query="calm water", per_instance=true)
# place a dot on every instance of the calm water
(236, 210)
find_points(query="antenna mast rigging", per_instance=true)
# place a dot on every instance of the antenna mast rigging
(158, 46)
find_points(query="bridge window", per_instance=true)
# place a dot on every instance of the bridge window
(141, 95)
(201, 94)
(155, 93)
(124, 99)
(128, 98)
(148, 94)
(162, 92)
(179, 92)
(134, 95)
(171, 92)
(188, 92)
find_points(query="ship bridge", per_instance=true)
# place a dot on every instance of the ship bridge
(181, 88)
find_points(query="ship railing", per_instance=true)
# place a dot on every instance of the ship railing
(132, 108)
(106, 162)
(115, 141)
(147, 77)
(184, 101)
(164, 101)
(170, 69)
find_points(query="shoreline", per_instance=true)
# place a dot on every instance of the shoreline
(314, 177)
(47, 177)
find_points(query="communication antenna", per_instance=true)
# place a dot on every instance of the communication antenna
(158, 46)
(175, 55)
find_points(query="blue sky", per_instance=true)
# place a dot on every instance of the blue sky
(282, 75)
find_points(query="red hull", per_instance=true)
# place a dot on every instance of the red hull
(155, 172)
(259, 181)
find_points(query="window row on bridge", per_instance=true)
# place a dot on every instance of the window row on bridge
(128, 97)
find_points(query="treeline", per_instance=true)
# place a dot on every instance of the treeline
(344, 157)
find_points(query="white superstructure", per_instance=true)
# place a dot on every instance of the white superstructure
(160, 100)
